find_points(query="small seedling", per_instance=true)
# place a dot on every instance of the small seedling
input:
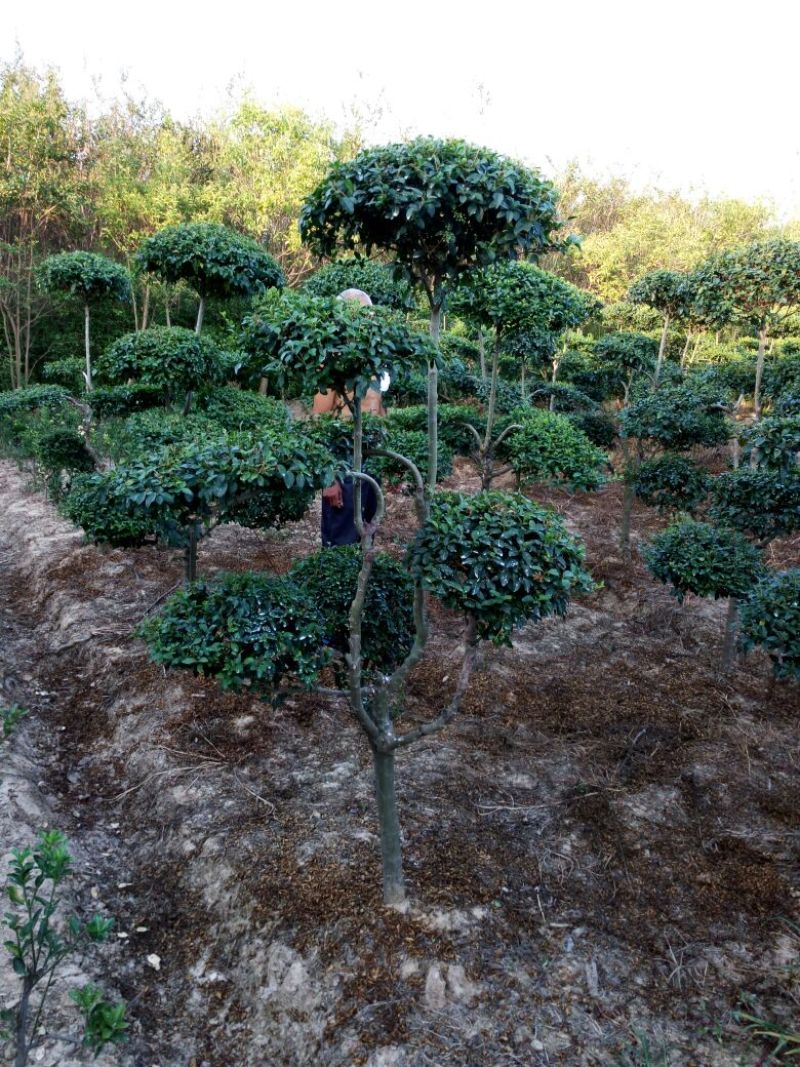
(10, 718)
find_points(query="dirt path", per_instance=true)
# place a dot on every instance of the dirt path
(604, 843)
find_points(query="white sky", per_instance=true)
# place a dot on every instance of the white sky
(693, 94)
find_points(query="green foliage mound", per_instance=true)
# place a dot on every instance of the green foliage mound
(762, 503)
(675, 418)
(240, 410)
(770, 619)
(32, 398)
(671, 482)
(170, 358)
(330, 578)
(600, 427)
(695, 557)
(413, 444)
(98, 503)
(67, 372)
(63, 449)
(775, 441)
(242, 629)
(452, 418)
(117, 401)
(549, 447)
(214, 260)
(499, 558)
(85, 275)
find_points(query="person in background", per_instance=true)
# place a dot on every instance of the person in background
(338, 522)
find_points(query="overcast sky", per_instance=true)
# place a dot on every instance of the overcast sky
(697, 95)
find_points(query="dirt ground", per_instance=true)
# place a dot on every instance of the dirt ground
(604, 844)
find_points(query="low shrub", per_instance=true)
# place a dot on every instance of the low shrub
(770, 619)
(671, 483)
(695, 557)
(549, 447)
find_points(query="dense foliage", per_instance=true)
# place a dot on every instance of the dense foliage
(499, 558)
(172, 359)
(375, 279)
(99, 504)
(695, 557)
(86, 275)
(550, 447)
(762, 503)
(774, 442)
(770, 619)
(330, 577)
(671, 483)
(242, 629)
(675, 418)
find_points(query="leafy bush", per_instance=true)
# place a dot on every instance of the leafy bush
(170, 358)
(242, 629)
(599, 426)
(499, 558)
(452, 417)
(781, 376)
(763, 503)
(671, 482)
(85, 275)
(98, 503)
(549, 447)
(413, 444)
(330, 577)
(695, 557)
(63, 449)
(67, 372)
(787, 404)
(508, 399)
(775, 441)
(147, 432)
(115, 401)
(565, 397)
(677, 419)
(374, 278)
(238, 409)
(32, 398)
(770, 618)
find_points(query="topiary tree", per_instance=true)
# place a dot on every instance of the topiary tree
(213, 260)
(168, 358)
(439, 208)
(671, 483)
(695, 557)
(673, 419)
(543, 446)
(91, 278)
(671, 293)
(528, 572)
(762, 503)
(98, 503)
(369, 275)
(621, 359)
(757, 286)
(774, 442)
(770, 619)
(514, 298)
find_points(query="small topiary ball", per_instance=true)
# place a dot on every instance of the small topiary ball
(499, 558)
(671, 482)
(695, 557)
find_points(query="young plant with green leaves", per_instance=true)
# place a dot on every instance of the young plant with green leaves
(439, 208)
(511, 298)
(91, 278)
(619, 360)
(543, 446)
(39, 945)
(756, 286)
(213, 260)
(695, 557)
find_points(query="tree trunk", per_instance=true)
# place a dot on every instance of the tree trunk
(662, 349)
(433, 401)
(685, 353)
(21, 1029)
(762, 350)
(625, 531)
(394, 890)
(201, 310)
(88, 372)
(731, 626)
(263, 385)
(482, 351)
(146, 307)
(166, 311)
(191, 554)
(522, 384)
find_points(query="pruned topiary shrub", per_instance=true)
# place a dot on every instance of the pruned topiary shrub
(498, 558)
(762, 503)
(241, 410)
(773, 442)
(672, 483)
(171, 358)
(117, 401)
(550, 448)
(376, 279)
(770, 619)
(98, 503)
(600, 427)
(695, 557)
(676, 418)
(330, 578)
(453, 421)
(242, 629)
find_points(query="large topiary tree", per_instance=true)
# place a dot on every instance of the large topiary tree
(439, 208)
(500, 560)
(213, 260)
(757, 286)
(91, 278)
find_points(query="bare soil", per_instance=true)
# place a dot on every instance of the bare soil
(604, 843)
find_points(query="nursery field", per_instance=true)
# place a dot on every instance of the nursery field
(601, 849)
